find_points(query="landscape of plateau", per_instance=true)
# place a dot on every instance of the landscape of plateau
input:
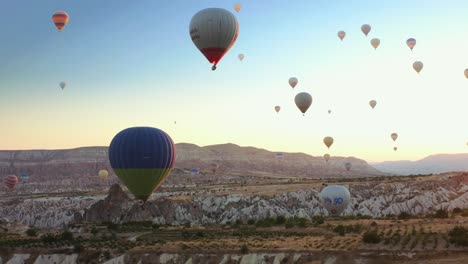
(255, 209)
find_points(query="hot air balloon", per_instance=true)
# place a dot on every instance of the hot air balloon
(372, 103)
(10, 181)
(348, 166)
(63, 85)
(24, 177)
(417, 66)
(341, 34)
(303, 101)
(466, 73)
(214, 167)
(395, 148)
(375, 42)
(326, 157)
(293, 82)
(241, 57)
(277, 108)
(279, 155)
(411, 42)
(365, 29)
(335, 198)
(394, 136)
(60, 19)
(194, 171)
(329, 111)
(214, 31)
(237, 7)
(103, 174)
(142, 158)
(328, 141)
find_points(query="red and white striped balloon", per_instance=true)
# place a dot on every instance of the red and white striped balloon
(10, 181)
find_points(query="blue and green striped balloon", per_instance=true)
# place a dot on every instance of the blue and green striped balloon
(142, 158)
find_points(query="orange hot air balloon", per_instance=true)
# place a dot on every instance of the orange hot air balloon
(60, 19)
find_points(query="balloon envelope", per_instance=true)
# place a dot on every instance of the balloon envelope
(411, 42)
(335, 198)
(293, 81)
(326, 157)
(214, 167)
(24, 177)
(372, 103)
(277, 108)
(214, 31)
(241, 57)
(365, 29)
(341, 34)
(142, 158)
(348, 166)
(394, 136)
(195, 171)
(417, 66)
(279, 155)
(63, 85)
(395, 148)
(303, 101)
(60, 19)
(10, 181)
(237, 7)
(466, 73)
(103, 174)
(328, 141)
(375, 42)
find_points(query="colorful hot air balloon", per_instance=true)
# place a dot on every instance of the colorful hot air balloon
(293, 82)
(214, 31)
(214, 167)
(411, 42)
(10, 181)
(194, 171)
(395, 148)
(341, 34)
(142, 158)
(375, 42)
(328, 141)
(466, 73)
(277, 108)
(60, 19)
(365, 29)
(24, 177)
(417, 66)
(348, 166)
(241, 57)
(237, 7)
(335, 198)
(372, 103)
(303, 101)
(103, 174)
(279, 155)
(394, 136)
(63, 85)
(326, 157)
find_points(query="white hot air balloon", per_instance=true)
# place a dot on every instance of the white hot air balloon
(241, 57)
(417, 66)
(341, 34)
(375, 42)
(365, 29)
(411, 42)
(335, 198)
(293, 82)
(303, 101)
(214, 31)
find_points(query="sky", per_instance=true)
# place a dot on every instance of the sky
(132, 63)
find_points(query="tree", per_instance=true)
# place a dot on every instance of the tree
(371, 237)
(32, 232)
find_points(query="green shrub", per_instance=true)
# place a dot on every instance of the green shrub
(32, 232)
(340, 229)
(280, 220)
(441, 213)
(244, 249)
(251, 222)
(318, 219)
(371, 237)
(66, 235)
(459, 236)
(404, 216)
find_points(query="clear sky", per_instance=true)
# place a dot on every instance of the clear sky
(132, 63)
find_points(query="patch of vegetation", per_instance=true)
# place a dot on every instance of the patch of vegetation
(404, 216)
(459, 236)
(280, 220)
(318, 220)
(32, 232)
(251, 222)
(371, 237)
(244, 249)
(342, 230)
(441, 213)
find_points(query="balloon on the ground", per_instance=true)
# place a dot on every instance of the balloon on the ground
(214, 31)
(411, 42)
(277, 108)
(372, 103)
(142, 158)
(60, 19)
(293, 81)
(303, 101)
(365, 29)
(375, 42)
(417, 66)
(335, 198)
(279, 155)
(214, 167)
(103, 174)
(195, 171)
(341, 34)
(10, 181)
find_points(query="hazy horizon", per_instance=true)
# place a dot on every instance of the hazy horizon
(135, 65)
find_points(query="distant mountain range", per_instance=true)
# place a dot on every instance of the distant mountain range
(439, 163)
